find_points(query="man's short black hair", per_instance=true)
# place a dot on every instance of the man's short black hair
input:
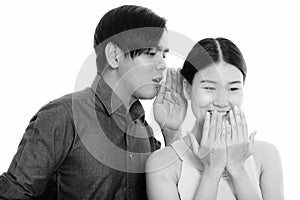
(134, 29)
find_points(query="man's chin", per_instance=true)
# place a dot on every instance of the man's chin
(146, 95)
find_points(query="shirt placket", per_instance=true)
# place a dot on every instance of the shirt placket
(130, 161)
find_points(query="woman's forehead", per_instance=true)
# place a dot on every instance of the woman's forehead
(220, 72)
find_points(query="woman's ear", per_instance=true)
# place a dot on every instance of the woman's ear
(187, 89)
(112, 54)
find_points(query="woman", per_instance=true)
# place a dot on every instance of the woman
(217, 160)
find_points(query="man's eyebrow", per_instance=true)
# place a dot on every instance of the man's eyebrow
(162, 49)
(208, 81)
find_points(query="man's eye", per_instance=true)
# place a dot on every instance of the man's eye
(151, 53)
(209, 88)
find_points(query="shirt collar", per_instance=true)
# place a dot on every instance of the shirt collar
(112, 102)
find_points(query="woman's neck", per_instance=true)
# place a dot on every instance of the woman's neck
(197, 130)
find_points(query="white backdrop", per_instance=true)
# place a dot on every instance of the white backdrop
(43, 46)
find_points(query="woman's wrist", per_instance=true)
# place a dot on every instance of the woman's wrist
(213, 173)
(236, 171)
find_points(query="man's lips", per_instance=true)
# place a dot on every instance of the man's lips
(157, 79)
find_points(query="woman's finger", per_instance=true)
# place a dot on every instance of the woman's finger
(219, 126)
(212, 128)
(239, 125)
(245, 126)
(228, 132)
(233, 126)
(205, 131)
(223, 134)
(251, 138)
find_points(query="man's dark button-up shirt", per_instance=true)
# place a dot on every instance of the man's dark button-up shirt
(85, 145)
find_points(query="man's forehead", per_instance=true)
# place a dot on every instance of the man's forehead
(163, 42)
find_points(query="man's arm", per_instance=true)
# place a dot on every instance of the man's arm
(43, 148)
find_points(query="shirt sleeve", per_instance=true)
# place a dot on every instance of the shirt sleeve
(44, 146)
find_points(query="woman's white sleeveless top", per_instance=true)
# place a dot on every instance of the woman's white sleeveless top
(191, 174)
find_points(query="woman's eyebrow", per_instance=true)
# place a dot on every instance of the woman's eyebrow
(234, 82)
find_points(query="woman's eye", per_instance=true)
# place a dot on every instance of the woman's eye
(234, 89)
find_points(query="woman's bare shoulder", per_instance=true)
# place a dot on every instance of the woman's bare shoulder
(265, 154)
(165, 158)
(262, 148)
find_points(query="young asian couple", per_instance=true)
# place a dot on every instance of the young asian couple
(96, 143)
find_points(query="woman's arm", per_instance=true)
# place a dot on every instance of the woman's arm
(244, 188)
(162, 173)
(208, 186)
(239, 148)
(271, 178)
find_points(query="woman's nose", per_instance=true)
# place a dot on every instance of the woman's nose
(220, 99)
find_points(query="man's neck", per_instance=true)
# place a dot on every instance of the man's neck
(118, 88)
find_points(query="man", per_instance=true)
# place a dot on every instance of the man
(93, 144)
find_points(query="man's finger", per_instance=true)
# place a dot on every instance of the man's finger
(174, 80)
(179, 86)
(168, 80)
(161, 93)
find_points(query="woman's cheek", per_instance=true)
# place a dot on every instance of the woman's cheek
(236, 99)
(200, 104)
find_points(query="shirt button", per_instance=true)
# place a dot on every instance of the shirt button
(130, 156)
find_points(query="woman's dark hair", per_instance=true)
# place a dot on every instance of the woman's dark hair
(211, 51)
(134, 29)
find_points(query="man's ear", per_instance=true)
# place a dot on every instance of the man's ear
(187, 89)
(112, 54)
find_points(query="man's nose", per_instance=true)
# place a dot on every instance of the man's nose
(161, 65)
